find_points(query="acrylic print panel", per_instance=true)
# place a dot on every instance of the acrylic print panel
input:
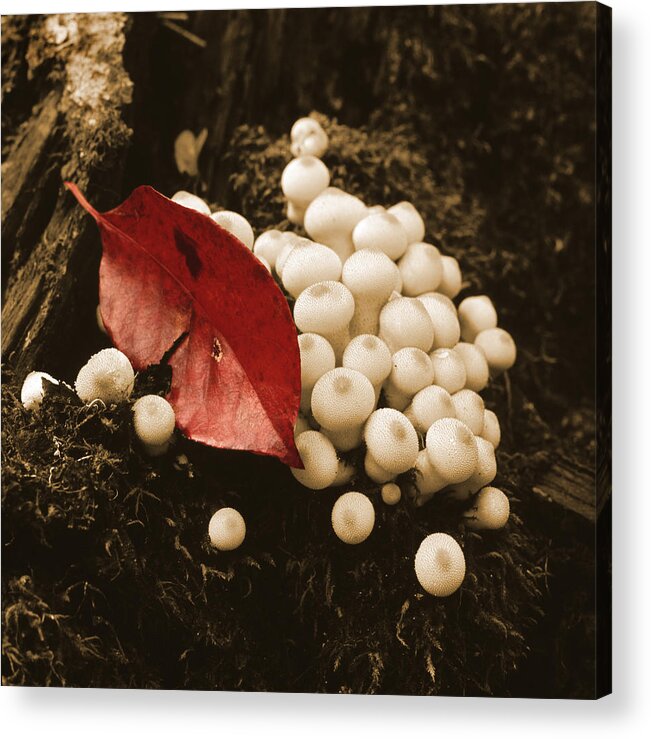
(321, 412)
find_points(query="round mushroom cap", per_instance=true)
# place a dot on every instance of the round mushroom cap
(303, 179)
(304, 127)
(369, 355)
(381, 232)
(469, 408)
(391, 440)
(490, 510)
(331, 217)
(235, 224)
(429, 405)
(319, 458)
(452, 449)
(317, 358)
(411, 371)
(290, 240)
(476, 313)
(33, 391)
(353, 518)
(369, 275)
(410, 219)
(308, 263)
(440, 565)
(450, 284)
(316, 144)
(324, 308)
(405, 322)
(107, 376)
(443, 315)
(226, 529)
(449, 370)
(499, 348)
(391, 493)
(342, 398)
(191, 201)
(484, 473)
(269, 245)
(420, 268)
(491, 430)
(153, 420)
(474, 360)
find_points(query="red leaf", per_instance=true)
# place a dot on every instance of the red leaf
(167, 271)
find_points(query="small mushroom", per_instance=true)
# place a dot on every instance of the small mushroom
(235, 224)
(499, 348)
(319, 458)
(405, 322)
(440, 565)
(369, 355)
(381, 232)
(469, 408)
(302, 180)
(226, 529)
(474, 360)
(308, 138)
(269, 245)
(107, 376)
(410, 219)
(391, 443)
(420, 268)
(290, 240)
(391, 493)
(33, 390)
(452, 450)
(331, 217)
(188, 200)
(308, 263)
(490, 510)
(450, 284)
(449, 370)
(483, 474)
(153, 420)
(476, 313)
(491, 429)
(443, 315)
(353, 518)
(411, 371)
(429, 405)
(317, 358)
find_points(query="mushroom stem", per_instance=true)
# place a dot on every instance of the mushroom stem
(339, 340)
(345, 439)
(376, 472)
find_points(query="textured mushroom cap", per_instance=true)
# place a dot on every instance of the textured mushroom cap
(191, 201)
(483, 474)
(308, 263)
(269, 245)
(476, 313)
(440, 565)
(235, 224)
(226, 529)
(411, 370)
(429, 405)
(331, 217)
(153, 420)
(369, 355)
(107, 376)
(369, 275)
(353, 518)
(410, 220)
(469, 408)
(290, 241)
(421, 269)
(443, 315)
(391, 440)
(490, 510)
(491, 429)
(320, 460)
(33, 392)
(317, 358)
(474, 360)
(342, 398)
(303, 179)
(324, 308)
(381, 232)
(452, 449)
(499, 348)
(449, 370)
(391, 493)
(405, 322)
(450, 284)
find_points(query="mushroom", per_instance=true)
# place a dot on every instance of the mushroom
(269, 245)
(391, 444)
(319, 459)
(490, 510)
(410, 220)
(405, 322)
(452, 450)
(443, 315)
(449, 370)
(326, 308)
(317, 358)
(188, 200)
(153, 420)
(391, 493)
(411, 371)
(483, 474)
(381, 232)
(33, 390)
(295, 214)
(450, 284)
(331, 217)
(420, 268)
(290, 241)
(474, 360)
(226, 529)
(235, 224)
(428, 480)
(353, 518)
(469, 408)
(107, 376)
(491, 429)
(369, 355)
(499, 348)
(440, 565)
(371, 278)
(429, 405)
(308, 138)
(308, 263)
(476, 313)
(302, 180)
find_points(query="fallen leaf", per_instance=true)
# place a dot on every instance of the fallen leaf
(170, 275)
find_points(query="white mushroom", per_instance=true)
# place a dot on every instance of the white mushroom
(33, 389)
(295, 213)
(499, 348)
(353, 518)
(420, 268)
(317, 358)
(490, 510)
(391, 443)
(369, 355)
(452, 449)
(153, 420)
(469, 408)
(483, 474)
(440, 565)
(107, 376)
(391, 493)
(308, 138)
(410, 220)
(411, 371)
(450, 284)
(428, 480)
(308, 263)
(443, 315)
(319, 458)
(405, 322)
(302, 180)
(449, 370)
(381, 232)
(476, 313)
(235, 224)
(474, 360)
(429, 405)
(226, 529)
(491, 429)
(269, 245)
(331, 217)
(188, 200)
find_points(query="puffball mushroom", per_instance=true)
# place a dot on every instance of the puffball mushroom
(153, 420)
(483, 474)
(469, 408)
(107, 376)
(326, 308)
(33, 390)
(490, 510)
(499, 348)
(320, 460)
(410, 219)
(303, 179)
(371, 278)
(444, 318)
(452, 449)
(269, 245)
(440, 565)
(191, 201)
(308, 137)
(331, 217)
(429, 405)
(420, 268)
(236, 224)
(308, 263)
(381, 232)
(474, 360)
(449, 370)
(476, 313)
(450, 284)
(391, 493)
(226, 529)
(369, 355)
(428, 480)
(411, 371)
(391, 442)
(353, 518)
(317, 358)
(405, 322)
(491, 429)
